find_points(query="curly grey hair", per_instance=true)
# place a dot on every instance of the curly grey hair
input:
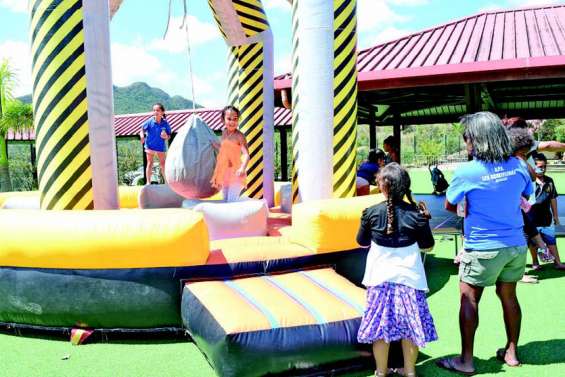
(485, 132)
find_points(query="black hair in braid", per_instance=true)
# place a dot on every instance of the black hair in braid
(394, 182)
(389, 216)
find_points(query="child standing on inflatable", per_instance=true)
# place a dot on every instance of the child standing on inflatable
(396, 284)
(153, 134)
(229, 175)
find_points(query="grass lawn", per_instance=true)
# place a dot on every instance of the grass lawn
(542, 342)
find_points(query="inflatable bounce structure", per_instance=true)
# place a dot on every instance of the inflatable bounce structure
(257, 292)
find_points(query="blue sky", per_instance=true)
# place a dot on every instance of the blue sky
(139, 52)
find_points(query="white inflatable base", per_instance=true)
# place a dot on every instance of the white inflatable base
(22, 202)
(158, 196)
(245, 218)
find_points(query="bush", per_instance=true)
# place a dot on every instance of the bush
(130, 158)
(21, 170)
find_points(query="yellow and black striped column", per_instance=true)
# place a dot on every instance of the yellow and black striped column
(345, 98)
(251, 15)
(243, 24)
(251, 113)
(60, 104)
(295, 102)
(253, 21)
(324, 93)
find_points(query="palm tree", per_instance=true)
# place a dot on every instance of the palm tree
(7, 83)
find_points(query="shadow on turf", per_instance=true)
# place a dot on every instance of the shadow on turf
(438, 272)
(544, 352)
(546, 272)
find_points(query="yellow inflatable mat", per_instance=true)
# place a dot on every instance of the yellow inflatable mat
(270, 324)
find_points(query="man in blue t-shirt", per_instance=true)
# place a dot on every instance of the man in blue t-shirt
(495, 247)
(153, 134)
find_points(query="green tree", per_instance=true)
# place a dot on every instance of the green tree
(16, 116)
(7, 83)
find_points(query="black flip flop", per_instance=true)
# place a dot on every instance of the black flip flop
(447, 364)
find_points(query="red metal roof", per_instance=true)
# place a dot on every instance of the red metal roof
(130, 124)
(491, 46)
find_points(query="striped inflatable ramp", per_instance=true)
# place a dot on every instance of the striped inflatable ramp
(275, 324)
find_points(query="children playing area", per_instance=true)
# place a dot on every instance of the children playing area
(542, 340)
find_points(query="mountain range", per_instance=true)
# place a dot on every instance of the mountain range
(139, 97)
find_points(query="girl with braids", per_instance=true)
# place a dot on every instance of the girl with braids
(229, 174)
(395, 230)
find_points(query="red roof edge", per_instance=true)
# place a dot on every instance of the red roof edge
(501, 70)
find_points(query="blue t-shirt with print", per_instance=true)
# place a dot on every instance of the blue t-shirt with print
(492, 192)
(152, 131)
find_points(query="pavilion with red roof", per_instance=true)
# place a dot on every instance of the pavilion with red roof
(511, 62)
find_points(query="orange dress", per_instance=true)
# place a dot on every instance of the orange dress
(228, 162)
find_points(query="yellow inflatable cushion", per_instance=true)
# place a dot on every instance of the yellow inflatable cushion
(248, 249)
(329, 225)
(103, 239)
(127, 195)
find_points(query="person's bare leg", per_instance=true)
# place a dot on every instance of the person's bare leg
(410, 354)
(557, 260)
(162, 157)
(148, 169)
(534, 252)
(512, 320)
(380, 352)
(468, 323)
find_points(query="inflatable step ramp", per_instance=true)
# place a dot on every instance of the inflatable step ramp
(287, 323)
(251, 256)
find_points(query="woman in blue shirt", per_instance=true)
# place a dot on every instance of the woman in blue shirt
(495, 247)
(153, 134)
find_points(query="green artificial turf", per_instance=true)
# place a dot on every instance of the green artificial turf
(542, 343)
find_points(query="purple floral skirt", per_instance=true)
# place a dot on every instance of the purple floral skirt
(394, 312)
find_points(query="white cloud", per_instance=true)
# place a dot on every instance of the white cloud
(490, 8)
(18, 6)
(390, 34)
(283, 65)
(408, 3)
(199, 32)
(376, 14)
(529, 3)
(277, 4)
(209, 91)
(132, 63)
(19, 57)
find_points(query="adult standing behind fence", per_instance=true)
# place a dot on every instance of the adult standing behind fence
(495, 247)
(153, 134)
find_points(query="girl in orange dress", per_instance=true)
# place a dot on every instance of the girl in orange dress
(229, 175)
